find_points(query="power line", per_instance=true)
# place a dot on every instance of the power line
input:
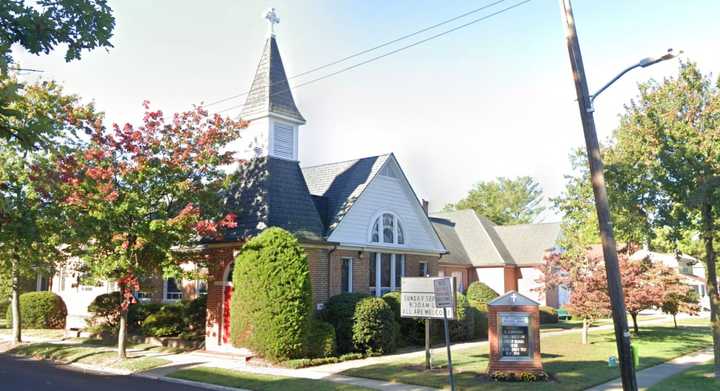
(343, 70)
(382, 45)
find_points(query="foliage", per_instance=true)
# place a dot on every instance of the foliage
(196, 315)
(136, 195)
(412, 331)
(41, 26)
(340, 311)
(479, 293)
(684, 299)
(504, 201)
(272, 301)
(374, 329)
(462, 328)
(522, 376)
(321, 339)
(548, 315)
(645, 285)
(138, 312)
(480, 316)
(41, 310)
(169, 321)
(105, 309)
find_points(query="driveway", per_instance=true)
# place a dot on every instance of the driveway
(31, 375)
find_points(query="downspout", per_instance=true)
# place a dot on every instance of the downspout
(329, 254)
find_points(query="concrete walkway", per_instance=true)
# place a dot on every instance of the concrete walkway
(647, 378)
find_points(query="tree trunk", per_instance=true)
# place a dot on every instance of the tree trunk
(122, 335)
(635, 325)
(585, 332)
(712, 285)
(15, 303)
(675, 320)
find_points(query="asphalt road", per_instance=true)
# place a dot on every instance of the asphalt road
(31, 375)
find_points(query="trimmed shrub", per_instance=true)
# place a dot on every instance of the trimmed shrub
(375, 330)
(168, 322)
(480, 293)
(548, 315)
(40, 310)
(462, 328)
(105, 309)
(480, 314)
(138, 312)
(321, 340)
(412, 331)
(196, 314)
(272, 299)
(339, 311)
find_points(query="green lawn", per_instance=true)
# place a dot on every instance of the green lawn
(577, 323)
(252, 381)
(89, 354)
(573, 366)
(698, 378)
(39, 333)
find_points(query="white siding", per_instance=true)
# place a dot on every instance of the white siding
(386, 194)
(528, 283)
(494, 277)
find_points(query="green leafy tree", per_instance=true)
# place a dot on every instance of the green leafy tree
(140, 195)
(40, 26)
(685, 299)
(672, 130)
(32, 223)
(504, 201)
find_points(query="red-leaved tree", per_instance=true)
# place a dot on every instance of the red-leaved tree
(140, 197)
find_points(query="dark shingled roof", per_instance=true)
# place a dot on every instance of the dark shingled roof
(271, 192)
(340, 184)
(446, 231)
(270, 91)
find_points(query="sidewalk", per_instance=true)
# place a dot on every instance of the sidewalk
(647, 378)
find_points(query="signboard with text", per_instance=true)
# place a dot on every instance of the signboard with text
(417, 298)
(514, 336)
(443, 293)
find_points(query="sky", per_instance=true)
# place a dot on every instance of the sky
(493, 99)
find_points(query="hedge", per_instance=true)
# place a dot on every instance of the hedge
(169, 321)
(412, 331)
(480, 293)
(271, 305)
(40, 310)
(548, 315)
(321, 340)
(462, 328)
(340, 311)
(375, 330)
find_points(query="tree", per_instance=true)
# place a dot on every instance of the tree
(140, 195)
(645, 285)
(684, 300)
(41, 26)
(32, 225)
(504, 201)
(672, 132)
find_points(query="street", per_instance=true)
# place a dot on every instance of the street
(30, 375)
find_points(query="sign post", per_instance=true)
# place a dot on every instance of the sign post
(444, 299)
(417, 300)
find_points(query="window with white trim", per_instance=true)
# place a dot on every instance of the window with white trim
(387, 229)
(423, 270)
(346, 274)
(386, 271)
(172, 290)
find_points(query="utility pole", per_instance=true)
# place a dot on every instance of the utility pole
(622, 335)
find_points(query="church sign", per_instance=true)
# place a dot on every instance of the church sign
(417, 298)
(514, 334)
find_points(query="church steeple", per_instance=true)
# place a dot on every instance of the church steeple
(270, 107)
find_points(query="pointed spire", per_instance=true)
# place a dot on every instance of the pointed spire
(270, 92)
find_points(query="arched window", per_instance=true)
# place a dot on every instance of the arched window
(387, 229)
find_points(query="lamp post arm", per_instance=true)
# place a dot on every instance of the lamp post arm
(614, 79)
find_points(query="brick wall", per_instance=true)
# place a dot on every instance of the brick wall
(318, 265)
(218, 261)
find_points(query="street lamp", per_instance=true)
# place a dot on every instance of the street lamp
(644, 63)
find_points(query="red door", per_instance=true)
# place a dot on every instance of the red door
(227, 295)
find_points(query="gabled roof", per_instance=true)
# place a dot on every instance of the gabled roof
(338, 185)
(528, 243)
(271, 192)
(476, 236)
(270, 92)
(512, 298)
(476, 240)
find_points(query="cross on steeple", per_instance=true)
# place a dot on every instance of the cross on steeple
(273, 19)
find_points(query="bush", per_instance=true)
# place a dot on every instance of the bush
(272, 302)
(480, 313)
(339, 311)
(462, 328)
(138, 312)
(321, 340)
(375, 330)
(196, 314)
(40, 310)
(412, 331)
(548, 315)
(168, 322)
(105, 310)
(480, 293)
